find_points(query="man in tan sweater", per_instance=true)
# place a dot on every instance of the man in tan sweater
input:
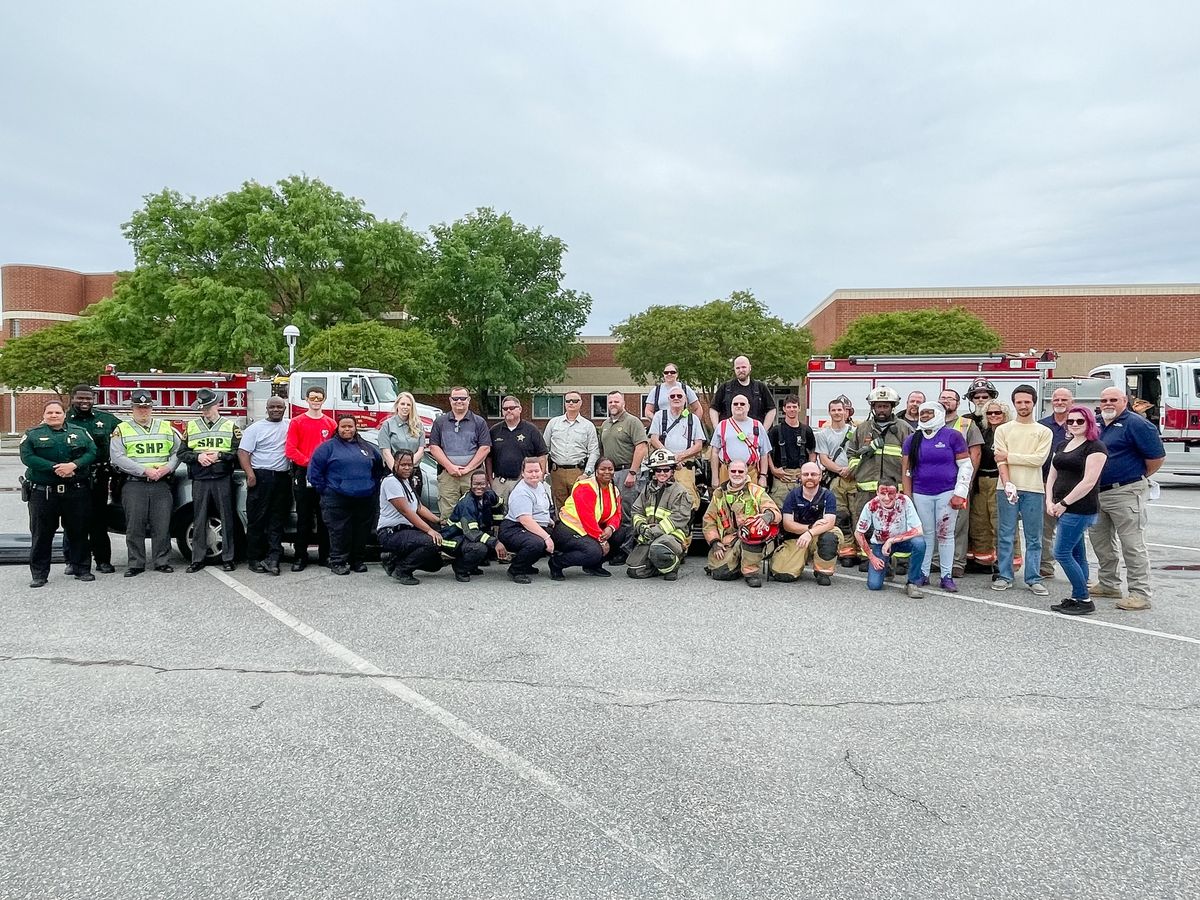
(1021, 447)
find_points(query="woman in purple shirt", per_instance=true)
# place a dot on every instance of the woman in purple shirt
(937, 475)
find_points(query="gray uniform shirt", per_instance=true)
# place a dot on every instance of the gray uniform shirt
(460, 438)
(572, 443)
(828, 442)
(527, 501)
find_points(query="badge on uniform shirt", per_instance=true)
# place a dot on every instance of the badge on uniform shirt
(363, 452)
(520, 437)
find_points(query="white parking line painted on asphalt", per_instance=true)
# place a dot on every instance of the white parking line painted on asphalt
(1082, 620)
(1174, 547)
(1154, 505)
(544, 781)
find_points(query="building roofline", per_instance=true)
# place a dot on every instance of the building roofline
(14, 265)
(964, 293)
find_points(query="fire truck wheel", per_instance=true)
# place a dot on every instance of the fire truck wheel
(181, 530)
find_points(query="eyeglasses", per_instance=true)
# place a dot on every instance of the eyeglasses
(460, 399)
(994, 412)
(675, 396)
(510, 408)
(663, 469)
(1076, 421)
(1114, 400)
(574, 399)
(981, 396)
(741, 404)
(670, 372)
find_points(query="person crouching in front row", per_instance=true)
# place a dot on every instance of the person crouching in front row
(470, 535)
(809, 529)
(407, 533)
(740, 521)
(526, 528)
(891, 521)
(589, 530)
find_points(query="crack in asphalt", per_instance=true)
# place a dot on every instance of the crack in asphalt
(866, 784)
(647, 699)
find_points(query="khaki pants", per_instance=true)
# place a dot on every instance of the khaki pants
(504, 486)
(451, 489)
(737, 559)
(687, 477)
(1049, 527)
(1123, 518)
(781, 488)
(562, 479)
(790, 558)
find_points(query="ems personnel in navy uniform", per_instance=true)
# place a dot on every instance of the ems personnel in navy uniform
(56, 457)
(100, 425)
(146, 450)
(210, 451)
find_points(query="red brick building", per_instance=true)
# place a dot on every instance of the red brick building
(1087, 324)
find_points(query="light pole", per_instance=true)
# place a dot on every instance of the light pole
(291, 334)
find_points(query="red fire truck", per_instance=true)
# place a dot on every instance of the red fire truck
(367, 393)
(856, 376)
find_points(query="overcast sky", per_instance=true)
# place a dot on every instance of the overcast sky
(682, 150)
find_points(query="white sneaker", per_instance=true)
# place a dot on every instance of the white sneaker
(1038, 588)
(999, 585)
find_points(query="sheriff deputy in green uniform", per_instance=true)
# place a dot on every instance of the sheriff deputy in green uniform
(210, 451)
(100, 425)
(146, 450)
(56, 457)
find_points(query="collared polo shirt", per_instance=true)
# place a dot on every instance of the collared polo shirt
(460, 438)
(1131, 440)
(618, 439)
(512, 446)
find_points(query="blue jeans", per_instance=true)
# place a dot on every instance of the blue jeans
(1029, 507)
(1070, 550)
(914, 545)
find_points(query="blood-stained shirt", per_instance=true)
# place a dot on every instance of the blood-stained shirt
(886, 523)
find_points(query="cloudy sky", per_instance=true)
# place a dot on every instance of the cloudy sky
(683, 150)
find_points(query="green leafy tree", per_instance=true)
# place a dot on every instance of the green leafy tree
(493, 298)
(56, 358)
(216, 279)
(953, 330)
(409, 354)
(703, 341)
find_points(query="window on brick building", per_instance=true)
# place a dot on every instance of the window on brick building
(547, 406)
(599, 406)
(14, 328)
(491, 406)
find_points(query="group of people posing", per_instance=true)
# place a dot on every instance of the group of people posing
(892, 494)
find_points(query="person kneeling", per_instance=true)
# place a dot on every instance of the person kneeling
(589, 529)
(740, 522)
(525, 530)
(468, 537)
(662, 515)
(892, 522)
(407, 530)
(809, 529)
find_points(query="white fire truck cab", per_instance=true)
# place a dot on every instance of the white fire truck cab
(1172, 390)
(856, 376)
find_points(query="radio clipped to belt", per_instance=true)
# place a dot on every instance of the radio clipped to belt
(26, 488)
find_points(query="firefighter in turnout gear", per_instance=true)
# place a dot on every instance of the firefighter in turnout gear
(210, 451)
(740, 524)
(470, 535)
(875, 452)
(662, 516)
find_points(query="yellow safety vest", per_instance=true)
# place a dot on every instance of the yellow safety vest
(147, 446)
(219, 438)
(570, 517)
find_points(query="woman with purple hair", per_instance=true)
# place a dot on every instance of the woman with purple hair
(1073, 497)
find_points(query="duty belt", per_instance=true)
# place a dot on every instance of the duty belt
(555, 465)
(1117, 484)
(62, 488)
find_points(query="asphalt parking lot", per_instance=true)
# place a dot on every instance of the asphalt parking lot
(244, 736)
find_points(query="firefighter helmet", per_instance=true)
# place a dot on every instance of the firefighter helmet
(884, 394)
(982, 384)
(756, 534)
(659, 458)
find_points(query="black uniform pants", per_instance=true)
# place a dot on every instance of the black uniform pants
(98, 540)
(309, 521)
(47, 508)
(349, 522)
(209, 493)
(524, 547)
(267, 506)
(574, 549)
(148, 506)
(411, 550)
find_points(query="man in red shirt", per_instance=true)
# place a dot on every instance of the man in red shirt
(305, 434)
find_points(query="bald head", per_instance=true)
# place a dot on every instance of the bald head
(741, 368)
